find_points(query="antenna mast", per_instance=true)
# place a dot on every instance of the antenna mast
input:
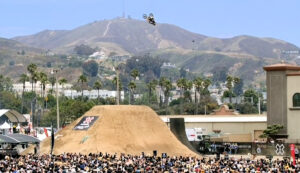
(123, 8)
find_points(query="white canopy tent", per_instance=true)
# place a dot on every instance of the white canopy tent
(11, 116)
(5, 125)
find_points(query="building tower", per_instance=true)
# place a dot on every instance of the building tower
(283, 103)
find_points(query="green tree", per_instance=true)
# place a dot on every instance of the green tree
(238, 88)
(8, 84)
(5, 83)
(230, 82)
(198, 83)
(145, 64)
(247, 108)
(83, 50)
(90, 68)
(82, 80)
(132, 87)
(201, 87)
(251, 95)
(70, 110)
(23, 79)
(182, 72)
(120, 86)
(161, 85)
(44, 79)
(32, 68)
(2, 81)
(182, 84)
(35, 77)
(52, 81)
(9, 101)
(62, 82)
(97, 86)
(271, 132)
(187, 92)
(227, 94)
(167, 88)
(151, 86)
(134, 73)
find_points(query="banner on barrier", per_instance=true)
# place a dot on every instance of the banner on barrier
(85, 123)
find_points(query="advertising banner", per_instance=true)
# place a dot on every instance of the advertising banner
(85, 123)
(293, 153)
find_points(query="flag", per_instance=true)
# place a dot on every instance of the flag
(292, 146)
(46, 132)
(52, 138)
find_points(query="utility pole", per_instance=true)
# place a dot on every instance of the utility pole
(118, 88)
(258, 105)
(57, 100)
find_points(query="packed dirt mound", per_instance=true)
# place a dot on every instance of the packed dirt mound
(117, 129)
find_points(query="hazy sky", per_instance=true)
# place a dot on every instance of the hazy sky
(219, 18)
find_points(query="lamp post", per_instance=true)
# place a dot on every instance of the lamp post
(118, 88)
(57, 100)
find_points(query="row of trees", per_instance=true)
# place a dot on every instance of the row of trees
(35, 76)
(163, 84)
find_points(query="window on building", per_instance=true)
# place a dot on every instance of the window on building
(296, 100)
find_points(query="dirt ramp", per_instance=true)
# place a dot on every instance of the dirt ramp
(117, 129)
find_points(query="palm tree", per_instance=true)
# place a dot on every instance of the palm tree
(52, 81)
(35, 77)
(167, 89)
(82, 79)
(188, 87)
(161, 83)
(62, 82)
(201, 86)
(44, 79)
(98, 86)
(206, 84)
(134, 74)
(32, 69)
(120, 85)
(132, 87)
(230, 82)
(151, 86)
(198, 83)
(23, 79)
(182, 84)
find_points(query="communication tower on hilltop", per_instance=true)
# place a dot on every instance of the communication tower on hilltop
(123, 9)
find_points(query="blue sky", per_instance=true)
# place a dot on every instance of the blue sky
(218, 18)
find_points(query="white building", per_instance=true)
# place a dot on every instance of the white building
(168, 65)
(18, 87)
(92, 94)
(98, 55)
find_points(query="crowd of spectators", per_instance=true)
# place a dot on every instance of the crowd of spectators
(128, 163)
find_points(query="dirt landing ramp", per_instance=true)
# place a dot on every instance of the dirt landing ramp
(177, 126)
(118, 129)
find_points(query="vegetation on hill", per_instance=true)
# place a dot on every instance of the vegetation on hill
(243, 56)
(137, 36)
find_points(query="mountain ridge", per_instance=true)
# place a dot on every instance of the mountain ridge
(134, 36)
